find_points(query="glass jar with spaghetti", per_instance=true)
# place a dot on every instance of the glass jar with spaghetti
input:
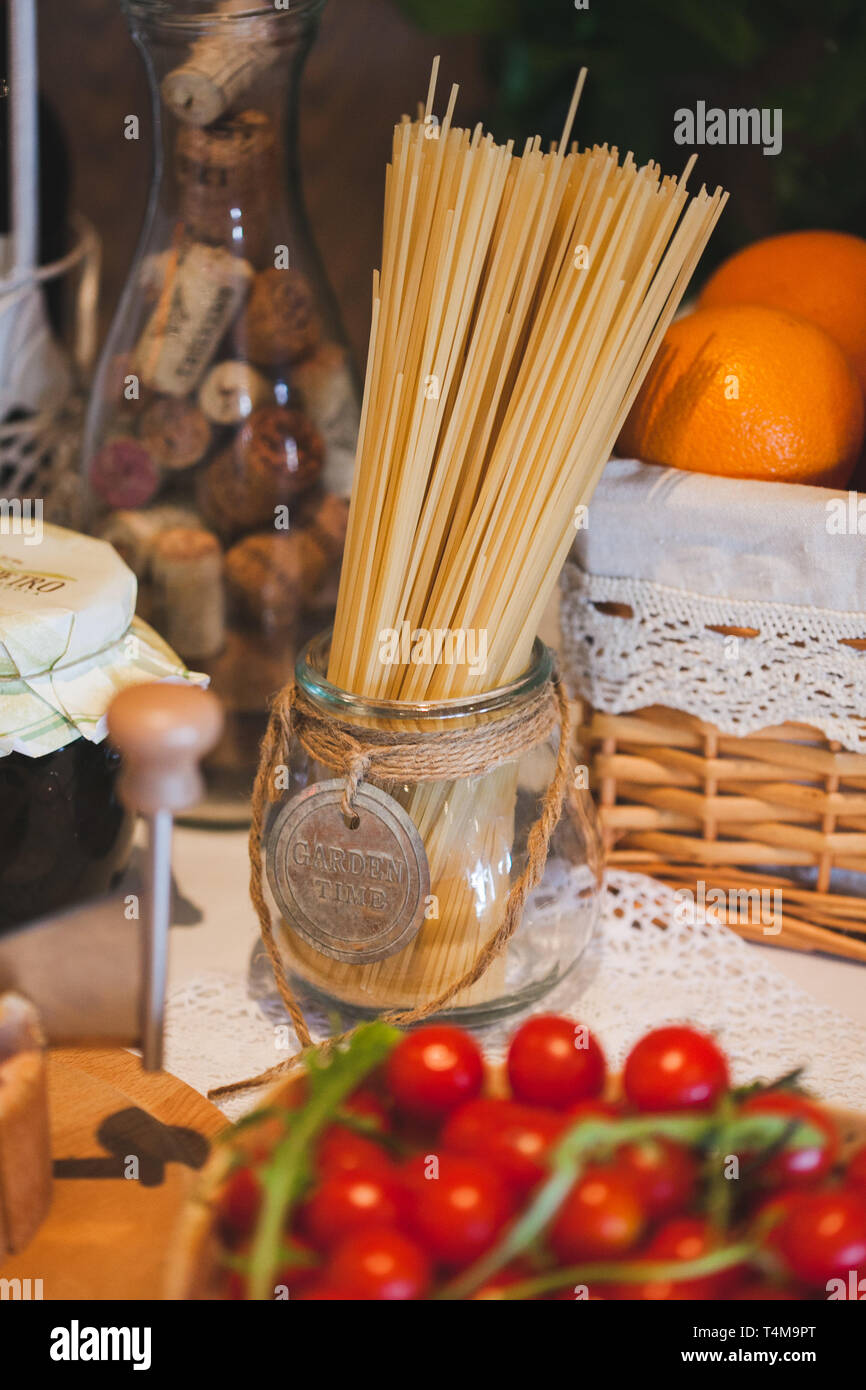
(434, 857)
(221, 434)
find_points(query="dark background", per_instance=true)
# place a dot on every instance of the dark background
(515, 61)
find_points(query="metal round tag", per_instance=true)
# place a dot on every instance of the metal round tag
(357, 894)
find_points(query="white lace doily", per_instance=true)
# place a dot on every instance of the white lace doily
(642, 969)
(795, 668)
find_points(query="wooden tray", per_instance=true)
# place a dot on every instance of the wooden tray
(108, 1236)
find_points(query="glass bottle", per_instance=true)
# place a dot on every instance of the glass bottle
(221, 432)
(475, 832)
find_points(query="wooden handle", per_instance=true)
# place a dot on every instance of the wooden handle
(161, 732)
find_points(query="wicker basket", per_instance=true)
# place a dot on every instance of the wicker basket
(703, 810)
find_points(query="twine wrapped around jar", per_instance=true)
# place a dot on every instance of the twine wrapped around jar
(386, 755)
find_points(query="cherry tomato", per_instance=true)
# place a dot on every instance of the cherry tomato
(823, 1236)
(804, 1164)
(432, 1071)
(856, 1171)
(665, 1175)
(601, 1218)
(342, 1149)
(380, 1264)
(685, 1238)
(554, 1061)
(349, 1201)
(514, 1138)
(238, 1205)
(457, 1211)
(675, 1069)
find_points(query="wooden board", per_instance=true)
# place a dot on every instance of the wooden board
(108, 1235)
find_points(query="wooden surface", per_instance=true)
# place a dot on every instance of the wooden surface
(107, 1235)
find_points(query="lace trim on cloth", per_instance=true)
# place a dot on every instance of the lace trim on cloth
(642, 969)
(794, 668)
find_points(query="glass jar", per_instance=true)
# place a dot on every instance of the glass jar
(69, 641)
(220, 438)
(64, 834)
(474, 832)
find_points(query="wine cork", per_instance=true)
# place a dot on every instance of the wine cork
(134, 533)
(328, 522)
(272, 577)
(220, 67)
(123, 473)
(175, 433)
(188, 591)
(231, 391)
(280, 324)
(330, 396)
(275, 457)
(225, 177)
(200, 297)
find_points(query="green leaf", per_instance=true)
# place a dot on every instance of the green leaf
(331, 1078)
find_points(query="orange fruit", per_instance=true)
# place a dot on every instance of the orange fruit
(749, 392)
(821, 276)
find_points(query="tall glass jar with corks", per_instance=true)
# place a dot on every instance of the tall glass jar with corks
(220, 438)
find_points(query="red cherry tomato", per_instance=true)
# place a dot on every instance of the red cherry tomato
(665, 1175)
(432, 1071)
(514, 1138)
(805, 1164)
(823, 1236)
(457, 1207)
(684, 1238)
(675, 1069)
(349, 1201)
(238, 1206)
(554, 1061)
(380, 1264)
(856, 1170)
(601, 1218)
(342, 1149)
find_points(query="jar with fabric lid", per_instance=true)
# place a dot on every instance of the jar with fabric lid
(69, 642)
(220, 437)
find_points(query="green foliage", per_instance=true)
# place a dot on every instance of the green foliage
(646, 58)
